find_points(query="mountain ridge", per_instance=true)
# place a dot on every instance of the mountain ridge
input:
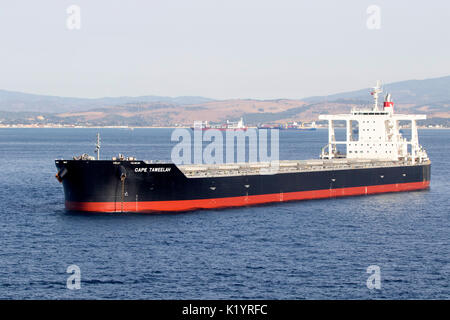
(30, 102)
(428, 96)
(406, 91)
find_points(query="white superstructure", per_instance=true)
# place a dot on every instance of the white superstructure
(377, 134)
(236, 125)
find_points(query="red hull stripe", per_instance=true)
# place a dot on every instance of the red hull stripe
(184, 205)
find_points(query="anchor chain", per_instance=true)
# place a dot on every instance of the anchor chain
(122, 179)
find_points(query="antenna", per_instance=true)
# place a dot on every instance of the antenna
(97, 146)
(376, 90)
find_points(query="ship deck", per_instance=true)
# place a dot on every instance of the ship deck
(287, 166)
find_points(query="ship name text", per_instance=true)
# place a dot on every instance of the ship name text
(153, 169)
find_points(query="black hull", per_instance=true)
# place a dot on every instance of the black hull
(126, 186)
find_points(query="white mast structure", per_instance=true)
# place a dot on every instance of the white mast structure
(236, 125)
(378, 134)
(97, 146)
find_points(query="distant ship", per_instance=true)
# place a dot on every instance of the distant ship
(229, 125)
(289, 126)
(269, 126)
(379, 159)
(301, 127)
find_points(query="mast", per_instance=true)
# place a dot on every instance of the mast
(376, 90)
(97, 146)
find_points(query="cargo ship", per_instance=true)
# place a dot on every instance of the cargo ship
(228, 126)
(299, 127)
(289, 126)
(377, 159)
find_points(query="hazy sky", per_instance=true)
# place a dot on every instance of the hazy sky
(217, 48)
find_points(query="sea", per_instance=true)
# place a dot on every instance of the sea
(314, 249)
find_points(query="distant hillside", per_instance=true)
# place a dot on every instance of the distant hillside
(430, 96)
(12, 101)
(436, 90)
(166, 114)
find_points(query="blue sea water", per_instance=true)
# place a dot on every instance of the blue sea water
(317, 249)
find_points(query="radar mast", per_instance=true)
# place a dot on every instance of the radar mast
(97, 146)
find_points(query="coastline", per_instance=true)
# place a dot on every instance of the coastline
(151, 127)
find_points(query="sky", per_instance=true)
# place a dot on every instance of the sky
(262, 49)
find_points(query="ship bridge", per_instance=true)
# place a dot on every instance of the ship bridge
(375, 134)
